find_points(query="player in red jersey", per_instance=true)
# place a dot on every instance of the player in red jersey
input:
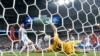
(94, 40)
(12, 32)
(12, 36)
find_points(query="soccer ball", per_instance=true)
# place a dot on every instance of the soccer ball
(47, 37)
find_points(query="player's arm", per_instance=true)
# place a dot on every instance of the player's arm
(20, 34)
(54, 27)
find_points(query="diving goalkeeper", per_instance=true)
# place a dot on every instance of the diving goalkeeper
(57, 45)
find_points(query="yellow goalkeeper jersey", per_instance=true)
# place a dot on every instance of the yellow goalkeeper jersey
(58, 44)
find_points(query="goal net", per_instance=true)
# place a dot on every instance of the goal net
(74, 19)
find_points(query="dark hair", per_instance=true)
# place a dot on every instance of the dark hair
(11, 25)
(21, 23)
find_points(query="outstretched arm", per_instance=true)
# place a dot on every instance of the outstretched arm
(55, 31)
(52, 25)
(54, 28)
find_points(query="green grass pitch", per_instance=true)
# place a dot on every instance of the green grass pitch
(51, 54)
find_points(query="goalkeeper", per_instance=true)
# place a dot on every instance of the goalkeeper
(57, 45)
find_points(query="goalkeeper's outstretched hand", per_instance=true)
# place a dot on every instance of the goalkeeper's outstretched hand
(48, 22)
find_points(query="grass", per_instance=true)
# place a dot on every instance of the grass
(50, 54)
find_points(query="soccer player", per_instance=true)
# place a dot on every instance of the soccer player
(24, 38)
(12, 36)
(87, 42)
(58, 45)
(94, 40)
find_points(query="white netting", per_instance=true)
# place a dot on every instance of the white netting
(76, 19)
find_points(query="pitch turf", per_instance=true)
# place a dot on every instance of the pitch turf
(51, 54)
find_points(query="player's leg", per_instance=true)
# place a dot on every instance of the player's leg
(30, 43)
(35, 48)
(24, 47)
(87, 49)
(68, 47)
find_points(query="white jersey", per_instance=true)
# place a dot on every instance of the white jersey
(23, 34)
(87, 40)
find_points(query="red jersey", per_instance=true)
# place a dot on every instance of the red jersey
(12, 35)
(93, 38)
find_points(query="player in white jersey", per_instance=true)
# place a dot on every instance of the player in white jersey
(24, 38)
(87, 42)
